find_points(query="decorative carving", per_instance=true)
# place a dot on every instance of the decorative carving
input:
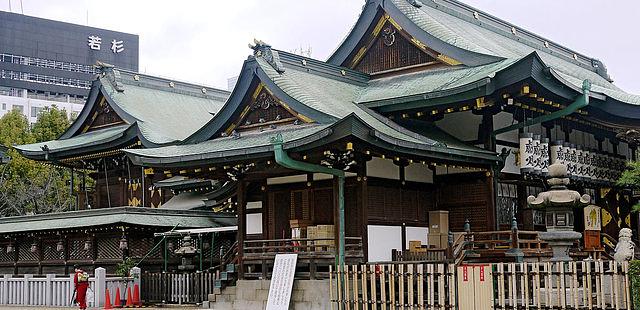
(263, 112)
(339, 160)
(391, 50)
(388, 36)
(265, 101)
(262, 49)
(104, 116)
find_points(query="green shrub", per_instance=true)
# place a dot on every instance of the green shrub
(634, 276)
(122, 269)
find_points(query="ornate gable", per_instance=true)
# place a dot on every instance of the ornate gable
(390, 47)
(263, 110)
(102, 116)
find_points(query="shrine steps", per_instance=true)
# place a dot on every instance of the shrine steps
(253, 294)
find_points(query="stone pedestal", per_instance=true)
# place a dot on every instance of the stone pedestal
(560, 242)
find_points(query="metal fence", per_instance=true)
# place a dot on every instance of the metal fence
(541, 285)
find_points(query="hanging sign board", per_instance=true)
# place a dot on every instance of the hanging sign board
(284, 268)
(592, 218)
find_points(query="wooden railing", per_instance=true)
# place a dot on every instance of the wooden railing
(425, 255)
(496, 244)
(314, 255)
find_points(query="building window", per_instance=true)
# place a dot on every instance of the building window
(35, 111)
(45, 63)
(4, 106)
(19, 108)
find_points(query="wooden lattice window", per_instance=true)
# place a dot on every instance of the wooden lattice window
(140, 246)
(50, 251)
(77, 251)
(25, 254)
(109, 248)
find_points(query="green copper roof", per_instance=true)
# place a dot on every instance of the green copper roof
(309, 84)
(113, 216)
(164, 114)
(92, 138)
(229, 146)
(334, 97)
(155, 110)
(455, 24)
(422, 82)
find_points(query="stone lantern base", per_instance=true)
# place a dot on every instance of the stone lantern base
(560, 242)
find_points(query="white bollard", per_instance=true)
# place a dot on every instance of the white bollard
(100, 287)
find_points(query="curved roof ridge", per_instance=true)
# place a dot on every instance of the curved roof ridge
(488, 21)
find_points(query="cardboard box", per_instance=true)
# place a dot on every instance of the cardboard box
(415, 245)
(299, 223)
(438, 222)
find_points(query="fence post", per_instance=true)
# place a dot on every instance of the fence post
(48, 290)
(5, 290)
(135, 274)
(72, 287)
(25, 289)
(101, 287)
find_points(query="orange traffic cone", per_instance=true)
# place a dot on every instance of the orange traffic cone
(129, 303)
(107, 300)
(136, 296)
(117, 302)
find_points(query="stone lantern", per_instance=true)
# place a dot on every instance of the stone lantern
(559, 203)
(187, 251)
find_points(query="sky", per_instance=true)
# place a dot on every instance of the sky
(205, 41)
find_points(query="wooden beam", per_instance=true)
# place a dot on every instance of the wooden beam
(241, 226)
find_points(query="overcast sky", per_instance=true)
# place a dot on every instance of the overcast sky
(206, 41)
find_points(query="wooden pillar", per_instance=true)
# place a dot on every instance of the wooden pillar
(241, 226)
(491, 182)
(364, 210)
(487, 129)
(336, 215)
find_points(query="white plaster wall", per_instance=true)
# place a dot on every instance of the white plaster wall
(383, 168)
(418, 173)
(254, 223)
(288, 179)
(381, 240)
(504, 119)
(417, 233)
(510, 165)
(462, 125)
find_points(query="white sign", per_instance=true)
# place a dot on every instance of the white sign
(94, 42)
(117, 46)
(284, 268)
